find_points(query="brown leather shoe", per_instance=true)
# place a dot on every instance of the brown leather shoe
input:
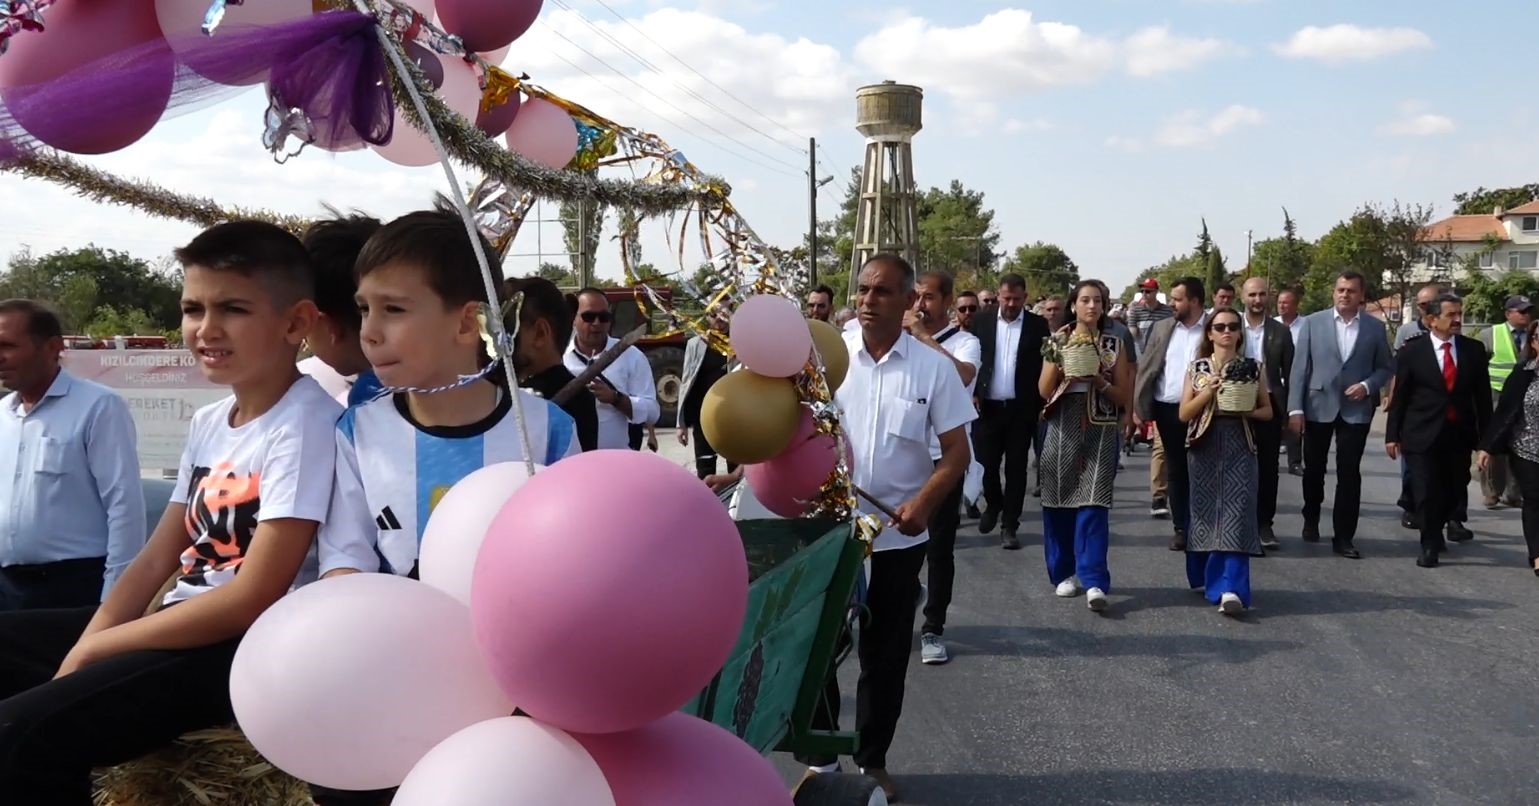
(883, 780)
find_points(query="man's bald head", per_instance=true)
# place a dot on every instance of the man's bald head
(1257, 296)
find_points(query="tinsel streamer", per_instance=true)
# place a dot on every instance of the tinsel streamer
(100, 186)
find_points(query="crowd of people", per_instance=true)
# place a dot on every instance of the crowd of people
(331, 465)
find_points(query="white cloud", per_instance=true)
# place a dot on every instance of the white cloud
(1017, 126)
(1425, 124)
(1338, 44)
(1191, 128)
(1131, 145)
(1156, 50)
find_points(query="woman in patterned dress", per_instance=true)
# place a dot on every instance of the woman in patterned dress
(1079, 457)
(1221, 467)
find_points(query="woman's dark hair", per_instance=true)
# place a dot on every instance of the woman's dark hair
(1102, 323)
(1531, 349)
(1205, 347)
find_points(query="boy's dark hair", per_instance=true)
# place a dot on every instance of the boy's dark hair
(42, 323)
(542, 300)
(334, 244)
(434, 243)
(256, 249)
(1193, 288)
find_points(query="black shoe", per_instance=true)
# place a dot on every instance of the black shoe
(1159, 508)
(1295, 470)
(1346, 549)
(1178, 542)
(1036, 492)
(1269, 539)
(1457, 533)
(988, 521)
(972, 511)
(1008, 541)
(1311, 533)
(1428, 559)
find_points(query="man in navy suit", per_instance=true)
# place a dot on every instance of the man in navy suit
(1340, 367)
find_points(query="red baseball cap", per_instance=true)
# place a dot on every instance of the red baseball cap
(1150, 283)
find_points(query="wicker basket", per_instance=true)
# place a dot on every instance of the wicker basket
(1237, 397)
(1081, 361)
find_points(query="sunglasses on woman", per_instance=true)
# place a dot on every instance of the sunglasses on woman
(595, 316)
(1225, 327)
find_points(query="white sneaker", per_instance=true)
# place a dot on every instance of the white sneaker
(1068, 589)
(1230, 605)
(932, 651)
(1096, 599)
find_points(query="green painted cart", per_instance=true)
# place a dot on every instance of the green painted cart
(802, 577)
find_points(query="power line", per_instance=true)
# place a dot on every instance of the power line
(690, 68)
(641, 60)
(672, 105)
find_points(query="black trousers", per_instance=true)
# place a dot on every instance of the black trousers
(1167, 418)
(1268, 439)
(705, 455)
(1004, 430)
(63, 584)
(940, 554)
(1459, 513)
(886, 641)
(1293, 442)
(53, 732)
(1438, 476)
(1528, 482)
(1350, 440)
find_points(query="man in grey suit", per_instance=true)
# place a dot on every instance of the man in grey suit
(1157, 391)
(1341, 365)
(1271, 343)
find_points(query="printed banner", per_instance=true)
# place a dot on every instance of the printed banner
(163, 389)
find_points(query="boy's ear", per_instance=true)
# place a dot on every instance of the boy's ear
(302, 317)
(470, 324)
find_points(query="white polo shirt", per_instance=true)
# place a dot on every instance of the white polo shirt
(964, 347)
(889, 410)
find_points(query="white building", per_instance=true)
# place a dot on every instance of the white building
(1504, 240)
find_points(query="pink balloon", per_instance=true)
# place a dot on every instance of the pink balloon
(511, 760)
(347, 682)
(543, 133)
(786, 484)
(681, 760)
(182, 21)
(80, 33)
(457, 527)
(461, 90)
(770, 336)
(588, 566)
(486, 25)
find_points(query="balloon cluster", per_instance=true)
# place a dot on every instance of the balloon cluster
(598, 596)
(754, 416)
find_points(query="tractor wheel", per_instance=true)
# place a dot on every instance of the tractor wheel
(668, 376)
(839, 789)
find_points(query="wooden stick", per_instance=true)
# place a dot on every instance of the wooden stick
(599, 364)
(872, 500)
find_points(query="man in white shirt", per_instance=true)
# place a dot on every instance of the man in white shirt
(627, 397)
(71, 506)
(1157, 391)
(929, 323)
(1288, 314)
(1009, 404)
(898, 394)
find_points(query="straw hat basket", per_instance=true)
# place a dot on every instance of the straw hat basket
(1237, 397)
(1081, 360)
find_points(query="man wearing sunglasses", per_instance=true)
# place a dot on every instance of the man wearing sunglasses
(627, 397)
(966, 308)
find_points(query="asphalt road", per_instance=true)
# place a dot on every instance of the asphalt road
(1369, 681)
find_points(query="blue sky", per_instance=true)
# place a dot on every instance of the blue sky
(1107, 127)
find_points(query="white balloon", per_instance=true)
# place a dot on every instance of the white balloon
(506, 762)
(455, 530)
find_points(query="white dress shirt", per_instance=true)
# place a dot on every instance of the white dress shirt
(1178, 355)
(1346, 335)
(69, 479)
(1255, 339)
(1007, 342)
(631, 376)
(889, 409)
(964, 347)
(1437, 350)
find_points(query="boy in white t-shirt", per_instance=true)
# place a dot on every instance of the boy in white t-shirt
(100, 686)
(420, 290)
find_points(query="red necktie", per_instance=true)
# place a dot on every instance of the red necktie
(1450, 373)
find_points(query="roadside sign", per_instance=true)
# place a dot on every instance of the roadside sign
(163, 389)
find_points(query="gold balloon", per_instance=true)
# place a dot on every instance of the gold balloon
(836, 357)
(749, 418)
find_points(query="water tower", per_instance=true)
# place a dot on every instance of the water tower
(888, 114)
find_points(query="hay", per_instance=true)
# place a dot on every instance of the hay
(215, 767)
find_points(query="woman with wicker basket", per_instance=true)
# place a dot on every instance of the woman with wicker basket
(1224, 391)
(1087, 379)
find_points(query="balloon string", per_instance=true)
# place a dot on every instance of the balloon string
(500, 336)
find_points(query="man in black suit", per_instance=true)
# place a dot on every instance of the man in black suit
(1008, 403)
(1441, 405)
(1269, 342)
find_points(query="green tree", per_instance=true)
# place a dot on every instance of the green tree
(109, 321)
(130, 283)
(76, 302)
(582, 225)
(956, 230)
(1046, 267)
(558, 274)
(1216, 271)
(1204, 245)
(1481, 201)
(1484, 293)
(1174, 268)
(1381, 243)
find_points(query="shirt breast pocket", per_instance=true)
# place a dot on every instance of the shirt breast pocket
(908, 419)
(50, 456)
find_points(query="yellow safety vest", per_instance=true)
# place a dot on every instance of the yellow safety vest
(1504, 354)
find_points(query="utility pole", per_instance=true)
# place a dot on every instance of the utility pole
(812, 212)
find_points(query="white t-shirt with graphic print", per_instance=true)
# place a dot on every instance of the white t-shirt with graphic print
(279, 465)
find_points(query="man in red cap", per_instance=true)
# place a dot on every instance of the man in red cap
(1142, 315)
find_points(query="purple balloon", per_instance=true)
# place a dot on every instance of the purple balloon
(495, 121)
(427, 61)
(487, 25)
(681, 760)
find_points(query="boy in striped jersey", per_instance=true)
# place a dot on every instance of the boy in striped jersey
(419, 291)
